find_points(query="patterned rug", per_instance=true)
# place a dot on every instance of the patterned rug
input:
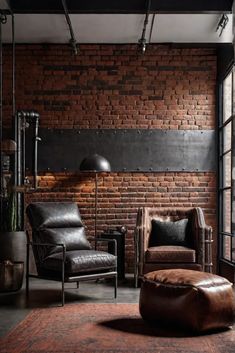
(105, 328)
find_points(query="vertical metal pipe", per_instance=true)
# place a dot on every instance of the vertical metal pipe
(1, 121)
(3, 20)
(14, 114)
(23, 150)
(35, 155)
(13, 64)
(22, 179)
(19, 116)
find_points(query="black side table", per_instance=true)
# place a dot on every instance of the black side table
(120, 239)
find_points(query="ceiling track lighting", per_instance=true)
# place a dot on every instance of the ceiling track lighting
(72, 41)
(222, 24)
(142, 41)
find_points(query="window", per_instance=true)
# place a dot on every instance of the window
(227, 238)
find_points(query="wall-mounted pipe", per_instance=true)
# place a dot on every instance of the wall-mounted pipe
(1, 157)
(35, 154)
(3, 20)
(23, 119)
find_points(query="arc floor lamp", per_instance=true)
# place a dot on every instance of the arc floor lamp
(95, 164)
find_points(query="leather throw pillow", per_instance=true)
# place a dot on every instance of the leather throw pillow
(169, 233)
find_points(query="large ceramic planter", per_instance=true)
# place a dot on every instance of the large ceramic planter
(12, 248)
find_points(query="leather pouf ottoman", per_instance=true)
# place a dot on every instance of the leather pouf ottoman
(194, 300)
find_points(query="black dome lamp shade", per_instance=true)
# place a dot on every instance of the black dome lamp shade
(95, 164)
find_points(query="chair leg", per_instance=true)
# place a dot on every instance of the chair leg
(27, 271)
(115, 286)
(62, 275)
(136, 276)
(77, 284)
(27, 285)
(62, 291)
(136, 280)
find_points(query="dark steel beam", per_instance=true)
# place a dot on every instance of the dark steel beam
(123, 6)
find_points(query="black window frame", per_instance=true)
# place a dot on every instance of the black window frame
(222, 185)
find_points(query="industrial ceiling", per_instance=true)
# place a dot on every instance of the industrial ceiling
(120, 21)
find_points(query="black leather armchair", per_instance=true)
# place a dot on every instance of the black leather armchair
(61, 249)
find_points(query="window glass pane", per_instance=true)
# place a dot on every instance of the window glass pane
(227, 247)
(227, 136)
(227, 169)
(227, 97)
(227, 211)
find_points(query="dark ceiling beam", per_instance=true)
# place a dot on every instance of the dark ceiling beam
(123, 6)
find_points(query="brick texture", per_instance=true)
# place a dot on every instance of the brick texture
(120, 195)
(113, 86)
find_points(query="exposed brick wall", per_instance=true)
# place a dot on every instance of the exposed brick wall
(120, 195)
(112, 86)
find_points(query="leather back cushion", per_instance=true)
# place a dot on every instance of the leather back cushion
(72, 238)
(54, 215)
(169, 233)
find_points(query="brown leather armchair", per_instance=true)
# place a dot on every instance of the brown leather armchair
(169, 238)
(61, 249)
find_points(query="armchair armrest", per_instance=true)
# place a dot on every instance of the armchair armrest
(46, 244)
(208, 249)
(105, 240)
(31, 243)
(205, 247)
(137, 231)
(203, 240)
(136, 254)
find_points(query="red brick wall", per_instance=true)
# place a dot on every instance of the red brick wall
(112, 86)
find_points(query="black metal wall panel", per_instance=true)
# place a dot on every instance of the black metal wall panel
(128, 150)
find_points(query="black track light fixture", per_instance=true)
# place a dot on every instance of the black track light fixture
(222, 24)
(142, 41)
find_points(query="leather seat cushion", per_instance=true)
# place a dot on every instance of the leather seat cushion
(170, 253)
(80, 261)
(192, 299)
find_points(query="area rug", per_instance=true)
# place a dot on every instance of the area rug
(105, 328)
